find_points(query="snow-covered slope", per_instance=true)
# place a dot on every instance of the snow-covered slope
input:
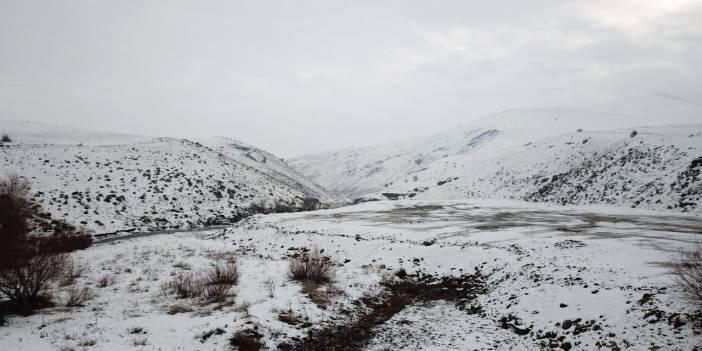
(108, 182)
(580, 155)
(268, 163)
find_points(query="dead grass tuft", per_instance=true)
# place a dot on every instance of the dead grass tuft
(77, 296)
(214, 285)
(311, 267)
(247, 340)
(688, 274)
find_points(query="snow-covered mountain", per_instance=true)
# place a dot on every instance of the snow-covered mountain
(107, 182)
(582, 155)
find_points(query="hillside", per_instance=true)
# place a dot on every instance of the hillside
(107, 182)
(580, 155)
(266, 162)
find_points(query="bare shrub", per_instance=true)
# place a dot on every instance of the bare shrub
(71, 241)
(217, 292)
(311, 267)
(5, 139)
(688, 274)
(27, 281)
(219, 280)
(223, 273)
(213, 285)
(77, 296)
(187, 286)
(72, 272)
(28, 263)
(15, 208)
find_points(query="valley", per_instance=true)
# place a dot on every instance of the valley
(499, 235)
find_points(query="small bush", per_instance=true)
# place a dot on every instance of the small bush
(77, 296)
(311, 267)
(213, 285)
(73, 241)
(28, 262)
(187, 286)
(688, 274)
(28, 282)
(72, 272)
(217, 292)
(223, 274)
(5, 139)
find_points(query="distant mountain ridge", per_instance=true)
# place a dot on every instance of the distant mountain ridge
(562, 154)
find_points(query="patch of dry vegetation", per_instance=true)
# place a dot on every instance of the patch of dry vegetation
(213, 285)
(311, 267)
(29, 262)
(688, 273)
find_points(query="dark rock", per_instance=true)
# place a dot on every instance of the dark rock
(567, 324)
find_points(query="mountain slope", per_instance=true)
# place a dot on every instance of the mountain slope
(268, 163)
(507, 155)
(108, 182)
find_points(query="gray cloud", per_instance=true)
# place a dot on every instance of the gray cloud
(305, 76)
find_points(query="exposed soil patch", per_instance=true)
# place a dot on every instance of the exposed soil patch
(399, 293)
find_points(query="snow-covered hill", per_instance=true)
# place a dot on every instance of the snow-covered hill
(268, 163)
(107, 182)
(579, 155)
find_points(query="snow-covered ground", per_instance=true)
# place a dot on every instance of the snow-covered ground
(574, 155)
(580, 277)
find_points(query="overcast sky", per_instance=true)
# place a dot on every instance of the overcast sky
(295, 77)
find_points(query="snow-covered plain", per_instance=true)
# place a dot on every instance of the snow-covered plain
(580, 277)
